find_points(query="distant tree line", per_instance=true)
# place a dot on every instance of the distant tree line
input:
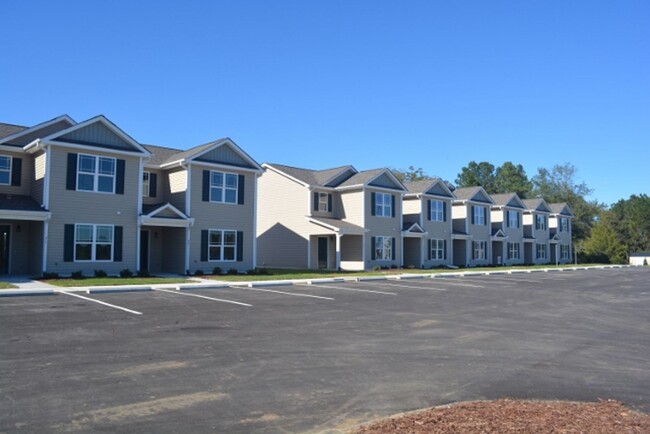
(600, 234)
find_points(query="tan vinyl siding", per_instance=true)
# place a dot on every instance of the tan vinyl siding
(38, 181)
(27, 171)
(161, 197)
(177, 182)
(73, 207)
(282, 228)
(209, 215)
(383, 226)
(352, 209)
(438, 231)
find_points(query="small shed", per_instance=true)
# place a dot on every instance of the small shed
(639, 258)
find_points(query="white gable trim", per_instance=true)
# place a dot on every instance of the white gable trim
(239, 151)
(167, 206)
(37, 127)
(9, 148)
(336, 229)
(41, 216)
(88, 148)
(227, 167)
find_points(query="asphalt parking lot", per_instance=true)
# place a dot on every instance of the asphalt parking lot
(312, 358)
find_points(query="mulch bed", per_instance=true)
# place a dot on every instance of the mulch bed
(517, 416)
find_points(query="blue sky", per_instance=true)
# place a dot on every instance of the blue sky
(433, 84)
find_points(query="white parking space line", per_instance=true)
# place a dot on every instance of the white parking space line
(135, 312)
(410, 286)
(349, 289)
(456, 282)
(203, 296)
(282, 292)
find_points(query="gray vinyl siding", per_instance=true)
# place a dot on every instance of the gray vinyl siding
(479, 233)
(74, 207)
(282, 229)
(383, 226)
(209, 215)
(97, 134)
(176, 188)
(438, 231)
(27, 172)
(224, 155)
(161, 196)
(38, 180)
(515, 235)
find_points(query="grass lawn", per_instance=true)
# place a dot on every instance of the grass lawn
(115, 281)
(5, 285)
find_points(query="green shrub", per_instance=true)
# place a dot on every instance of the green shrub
(376, 268)
(77, 274)
(100, 273)
(645, 261)
(233, 271)
(217, 271)
(50, 275)
(126, 273)
(143, 273)
(198, 272)
(262, 272)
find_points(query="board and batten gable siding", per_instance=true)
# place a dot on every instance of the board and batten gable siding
(383, 226)
(352, 207)
(22, 173)
(160, 197)
(224, 155)
(282, 229)
(97, 134)
(38, 181)
(210, 215)
(177, 182)
(71, 207)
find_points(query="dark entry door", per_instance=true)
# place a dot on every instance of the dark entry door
(322, 252)
(144, 250)
(4, 249)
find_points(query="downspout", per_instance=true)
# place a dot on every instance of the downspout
(188, 201)
(46, 202)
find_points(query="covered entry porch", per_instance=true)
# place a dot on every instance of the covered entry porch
(414, 246)
(461, 243)
(163, 240)
(338, 245)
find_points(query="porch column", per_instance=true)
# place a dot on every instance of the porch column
(338, 251)
(363, 251)
(46, 230)
(187, 250)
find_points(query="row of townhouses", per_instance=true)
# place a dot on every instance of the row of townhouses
(86, 196)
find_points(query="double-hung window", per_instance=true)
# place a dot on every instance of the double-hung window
(564, 224)
(146, 180)
(383, 205)
(222, 245)
(437, 249)
(5, 170)
(323, 202)
(223, 187)
(479, 213)
(540, 222)
(437, 211)
(541, 251)
(93, 242)
(383, 248)
(513, 250)
(480, 250)
(513, 219)
(96, 173)
(564, 251)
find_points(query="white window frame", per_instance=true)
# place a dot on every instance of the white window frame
(565, 251)
(146, 183)
(323, 202)
(222, 246)
(383, 248)
(383, 209)
(479, 215)
(94, 243)
(540, 222)
(541, 251)
(224, 188)
(513, 219)
(96, 173)
(437, 249)
(8, 171)
(513, 251)
(564, 224)
(437, 210)
(479, 250)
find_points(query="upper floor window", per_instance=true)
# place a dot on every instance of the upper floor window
(5, 170)
(540, 222)
(93, 242)
(513, 219)
(223, 187)
(437, 211)
(479, 215)
(323, 202)
(383, 204)
(564, 224)
(96, 173)
(146, 179)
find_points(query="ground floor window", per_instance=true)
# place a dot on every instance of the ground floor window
(513, 250)
(565, 251)
(437, 249)
(222, 245)
(93, 242)
(383, 248)
(479, 250)
(541, 251)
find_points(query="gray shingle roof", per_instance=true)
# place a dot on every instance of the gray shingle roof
(558, 208)
(309, 176)
(419, 186)
(340, 224)
(535, 203)
(466, 193)
(9, 129)
(361, 178)
(504, 198)
(18, 202)
(192, 151)
(160, 154)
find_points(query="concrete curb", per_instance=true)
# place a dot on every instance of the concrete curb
(112, 289)
(325, 280)
(269, 283)
(26, 292)
(410, 276)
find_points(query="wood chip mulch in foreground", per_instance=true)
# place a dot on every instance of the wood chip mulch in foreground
(517, 416)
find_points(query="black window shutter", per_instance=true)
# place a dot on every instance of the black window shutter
(119, 182)
(316, 201)
(204, 245)
(329, 203)
(472, 210)
(68, 243)
(429, 249)
(372, 248)
(392, 248)
(392, 203)
(241, 188)
(485, 219)
(153, 184)
(429, 210)
(117, 244)
(240, 246)
(373, 201)
(71, 178)
(445, 251)
(16, 171)
(206, 187)
(444, 211)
